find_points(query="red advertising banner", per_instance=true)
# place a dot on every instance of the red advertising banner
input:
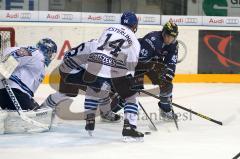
(219, 52)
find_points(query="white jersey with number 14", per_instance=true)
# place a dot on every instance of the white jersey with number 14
(117, 53)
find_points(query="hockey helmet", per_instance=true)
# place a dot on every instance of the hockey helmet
(130, 20)
(48, 47)
(170, 28)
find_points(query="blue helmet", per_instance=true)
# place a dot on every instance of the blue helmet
(48, 47)
(129, 19)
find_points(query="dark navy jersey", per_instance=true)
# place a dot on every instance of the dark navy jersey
(153, 47)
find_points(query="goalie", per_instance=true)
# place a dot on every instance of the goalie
(25, 80)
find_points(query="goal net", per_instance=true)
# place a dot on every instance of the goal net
(7, 38)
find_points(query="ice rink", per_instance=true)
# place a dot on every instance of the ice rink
(197, 138)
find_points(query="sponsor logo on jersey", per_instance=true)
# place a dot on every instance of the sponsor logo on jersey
(150, 43)
(106, 60)
(23, 52)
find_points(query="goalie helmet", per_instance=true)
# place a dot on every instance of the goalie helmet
(48, 47)
(130, 20)
(170, 28)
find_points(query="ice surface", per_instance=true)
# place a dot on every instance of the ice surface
(196, 139)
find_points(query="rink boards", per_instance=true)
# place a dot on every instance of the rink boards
(203, 57)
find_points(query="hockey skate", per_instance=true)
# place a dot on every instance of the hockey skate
(90, 124)
(130, 134)
(110, 117)
(168, 116)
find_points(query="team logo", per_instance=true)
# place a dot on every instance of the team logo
(153, 38)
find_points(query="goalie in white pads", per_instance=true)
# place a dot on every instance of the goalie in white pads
(24, 81)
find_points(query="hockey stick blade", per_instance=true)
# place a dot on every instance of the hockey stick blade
(153, 125)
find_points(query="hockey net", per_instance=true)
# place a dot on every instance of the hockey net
(7, 38)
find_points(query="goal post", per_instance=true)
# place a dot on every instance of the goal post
(7, 37)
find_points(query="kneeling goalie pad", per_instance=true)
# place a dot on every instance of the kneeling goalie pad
(3, 116)
(15, 124)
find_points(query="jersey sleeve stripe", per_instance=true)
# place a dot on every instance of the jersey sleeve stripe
(21, 84)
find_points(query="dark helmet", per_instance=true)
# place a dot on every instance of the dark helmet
(170, 28)
(48, 47)
(129, 19)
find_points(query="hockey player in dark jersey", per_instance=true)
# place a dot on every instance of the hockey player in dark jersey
(157, 60)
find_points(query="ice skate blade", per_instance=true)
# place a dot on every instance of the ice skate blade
(132, 139)
(90, 132)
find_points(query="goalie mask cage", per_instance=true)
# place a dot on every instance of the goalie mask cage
(7, 37)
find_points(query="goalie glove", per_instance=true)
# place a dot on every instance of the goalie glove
(5, 57)
(7, 66)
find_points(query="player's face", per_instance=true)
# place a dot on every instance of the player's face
(168, 39)
(134, 28)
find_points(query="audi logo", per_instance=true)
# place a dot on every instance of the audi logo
(190, 20)
(67, 16)
(149, 19)
(232, 21)
(109, 18)
(25, 15)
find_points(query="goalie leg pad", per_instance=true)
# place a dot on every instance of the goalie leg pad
(3, 116)
(15, 124)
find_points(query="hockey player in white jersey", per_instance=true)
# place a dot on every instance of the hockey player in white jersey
(28, 75)
(72, 80)
(108, 66)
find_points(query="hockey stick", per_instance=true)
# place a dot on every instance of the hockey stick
(18, 107)
(186, 109)
(155, 128)
(174, 119)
